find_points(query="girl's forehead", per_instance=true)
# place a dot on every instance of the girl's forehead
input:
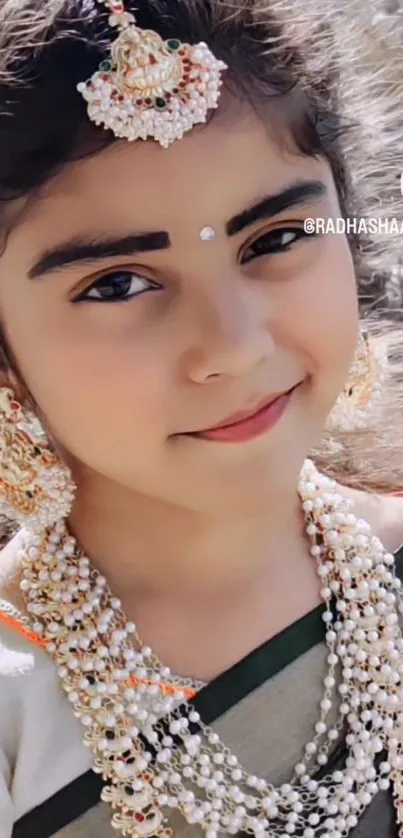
(218, 178)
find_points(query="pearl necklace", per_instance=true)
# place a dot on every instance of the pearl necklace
(153, 750)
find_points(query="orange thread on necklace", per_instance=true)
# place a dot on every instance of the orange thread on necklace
(37, 640)
(15, 624)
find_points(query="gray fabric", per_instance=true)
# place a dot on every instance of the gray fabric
(96, 823)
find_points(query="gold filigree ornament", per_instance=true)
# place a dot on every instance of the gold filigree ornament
(151, 88)
(363, 388)
(36, 489)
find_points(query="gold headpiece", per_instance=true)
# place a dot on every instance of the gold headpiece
(151, 88)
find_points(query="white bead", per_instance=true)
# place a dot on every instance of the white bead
(313, 819)
(320, 728)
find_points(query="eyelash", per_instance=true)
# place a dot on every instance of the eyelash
(124, 278)
(267, 240)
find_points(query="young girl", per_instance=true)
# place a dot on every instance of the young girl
(200, 439)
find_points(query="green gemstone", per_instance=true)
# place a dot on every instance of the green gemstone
(160, 104)
(105, 66)
(173, 44)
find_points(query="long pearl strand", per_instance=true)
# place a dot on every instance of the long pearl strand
(154, 751)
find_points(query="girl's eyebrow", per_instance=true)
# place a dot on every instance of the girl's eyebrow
(90, 249)
(294, 195)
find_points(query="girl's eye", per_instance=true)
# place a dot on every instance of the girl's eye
(117, 286)
(274, 241)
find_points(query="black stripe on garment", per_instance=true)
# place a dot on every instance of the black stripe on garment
(65, 807)
(81, 795)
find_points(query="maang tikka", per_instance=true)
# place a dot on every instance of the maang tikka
(36, 487)
(148, 87)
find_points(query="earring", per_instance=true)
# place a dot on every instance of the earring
(36, 488)
(362, 389)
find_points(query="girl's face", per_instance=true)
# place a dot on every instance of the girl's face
(131, 331)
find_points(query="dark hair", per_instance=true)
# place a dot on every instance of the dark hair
(43, 119)
(311, 67)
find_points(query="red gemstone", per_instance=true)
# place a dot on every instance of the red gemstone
(14, 406)
(139, 817)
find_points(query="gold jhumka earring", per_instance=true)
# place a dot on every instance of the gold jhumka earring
(363, 388)
(36, 488)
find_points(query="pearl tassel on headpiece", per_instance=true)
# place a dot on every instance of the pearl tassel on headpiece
(152, 766)
(150, 88)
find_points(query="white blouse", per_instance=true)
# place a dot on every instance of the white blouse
(37, 729)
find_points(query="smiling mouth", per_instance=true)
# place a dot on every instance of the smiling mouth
(253, 421)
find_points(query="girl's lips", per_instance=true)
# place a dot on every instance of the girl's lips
(251, 426)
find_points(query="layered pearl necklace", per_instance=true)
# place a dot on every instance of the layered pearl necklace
(151, 746)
